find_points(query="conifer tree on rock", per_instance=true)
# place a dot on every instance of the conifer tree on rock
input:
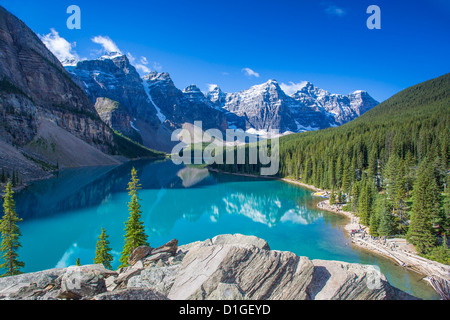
(102, 252)
(10, 233)
(134, 228)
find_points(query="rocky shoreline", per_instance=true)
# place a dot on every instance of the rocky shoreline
(226, 267)
(398, 250)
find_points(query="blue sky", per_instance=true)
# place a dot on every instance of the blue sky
(237, 44)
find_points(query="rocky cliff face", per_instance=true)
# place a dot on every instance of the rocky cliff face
(113, 77)
(153, 104)
(227, 267)
(266, 107)
(181, 107)
(44, 114)
(342, 108)
(35, 76)
(117, 118)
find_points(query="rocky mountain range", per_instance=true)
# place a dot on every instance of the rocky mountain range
(155, 103)
(154, 107)
(266, 107)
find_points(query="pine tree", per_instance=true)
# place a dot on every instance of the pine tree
(78, 262)
(134, 228)
(331, 174)
(438, 212)
(441, 253)
(391, 175)
(339, 171)
(410, 174)
(446, 208)
(102, 252)
(386, 225)
(340, 197)
(332, 197)
(372, 169)
(375, 220)
(426, 205)
(355, 196)
(346, 179)
(365, 203)
(10, 235)
(399, 190)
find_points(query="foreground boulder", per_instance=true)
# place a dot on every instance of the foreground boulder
(131, 294)
(226, 267)
(139, 254)
(259, 274)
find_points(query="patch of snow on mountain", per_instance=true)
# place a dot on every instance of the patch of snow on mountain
(301, 128)
(160, 115)
(111, 55)
(132, 125)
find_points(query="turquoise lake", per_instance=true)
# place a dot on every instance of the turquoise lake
(63, 216)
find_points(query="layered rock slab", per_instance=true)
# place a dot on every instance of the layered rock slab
(226, 267)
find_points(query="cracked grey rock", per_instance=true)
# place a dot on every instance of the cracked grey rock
(227, 267)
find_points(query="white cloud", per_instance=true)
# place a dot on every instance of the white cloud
(157, 66)
(60, 47)
(250, 73)
(294, 217)
(144, 69)
(292, 87)
(131, 58)
(211, 86)
(335, 11)
(107, 44)
(144, 60)
(142, 64)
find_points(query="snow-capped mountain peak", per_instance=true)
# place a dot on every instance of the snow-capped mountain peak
(267, 106)
(70, 62)
(192, 89)
(155, 101)
(194, 93)
(111, 55)
(216, 96)
(155, 76)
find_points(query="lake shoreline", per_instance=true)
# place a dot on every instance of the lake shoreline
(53, 173)
(397, 250)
